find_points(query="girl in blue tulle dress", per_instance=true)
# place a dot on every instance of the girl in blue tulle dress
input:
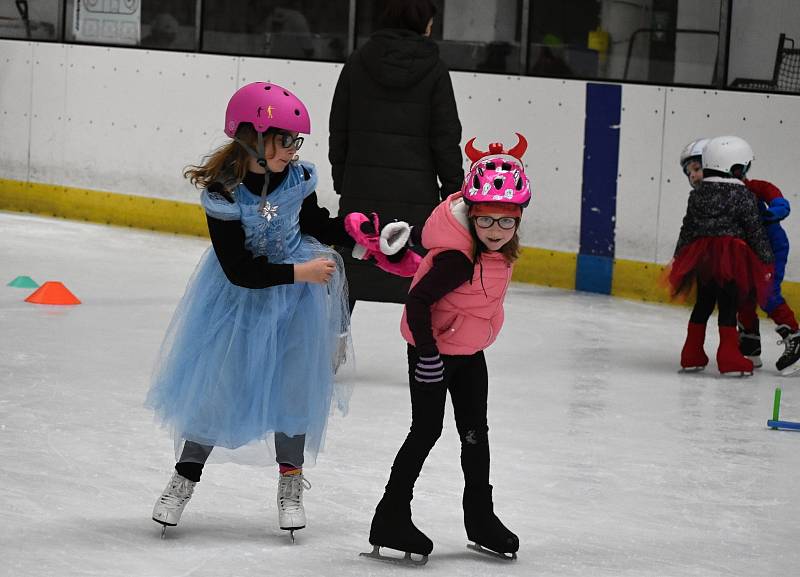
(248, 359)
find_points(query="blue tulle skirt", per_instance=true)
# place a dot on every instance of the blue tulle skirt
(238, 365)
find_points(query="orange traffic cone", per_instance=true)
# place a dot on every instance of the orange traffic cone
(53, 293)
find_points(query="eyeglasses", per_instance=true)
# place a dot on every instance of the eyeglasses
(289, 140)
(504, 222)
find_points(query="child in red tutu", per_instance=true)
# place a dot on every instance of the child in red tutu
(722, 248)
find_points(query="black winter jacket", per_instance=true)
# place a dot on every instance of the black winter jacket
(394, 130)
(724, 207)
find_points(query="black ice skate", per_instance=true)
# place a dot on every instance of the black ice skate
(484, 529)
(788, 364)
(392, 528)
(750, 345)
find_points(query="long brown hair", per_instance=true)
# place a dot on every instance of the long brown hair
(229, 161)
(510, 250)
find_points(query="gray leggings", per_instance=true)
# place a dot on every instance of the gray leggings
(288, 450)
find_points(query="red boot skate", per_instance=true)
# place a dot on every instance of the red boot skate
(729, 359)
(693, 357)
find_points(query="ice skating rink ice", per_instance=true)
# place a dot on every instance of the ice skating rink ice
(605, 460)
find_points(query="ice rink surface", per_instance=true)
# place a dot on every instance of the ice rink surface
(605, 460)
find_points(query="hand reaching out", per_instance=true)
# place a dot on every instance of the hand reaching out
(386, 246)
(318, 271)
(394, 237)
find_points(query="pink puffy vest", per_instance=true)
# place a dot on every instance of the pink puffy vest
(469, 318)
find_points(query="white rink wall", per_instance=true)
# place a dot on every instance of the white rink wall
(128, 121)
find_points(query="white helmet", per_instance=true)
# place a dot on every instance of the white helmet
(722, 153)
(693, 150)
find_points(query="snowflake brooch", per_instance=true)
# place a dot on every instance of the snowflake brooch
(269, 211)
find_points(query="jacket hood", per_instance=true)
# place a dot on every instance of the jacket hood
(398, 58)
(447, 227)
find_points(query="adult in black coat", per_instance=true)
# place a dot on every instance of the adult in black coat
(394, 135)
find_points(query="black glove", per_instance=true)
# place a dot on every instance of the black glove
(429, 369)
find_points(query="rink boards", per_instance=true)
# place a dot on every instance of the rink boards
(103, 134)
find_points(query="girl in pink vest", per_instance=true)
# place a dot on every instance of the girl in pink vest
(453, 312)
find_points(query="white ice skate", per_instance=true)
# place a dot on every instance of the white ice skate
(291, 512)
(170, 504)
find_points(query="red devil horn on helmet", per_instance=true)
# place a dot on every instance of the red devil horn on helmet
(473, 153)
(520, 148)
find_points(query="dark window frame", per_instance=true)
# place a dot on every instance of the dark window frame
(722, 63)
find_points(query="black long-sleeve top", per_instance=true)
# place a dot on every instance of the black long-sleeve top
(724, 207)
(239, 264)
(449, 270)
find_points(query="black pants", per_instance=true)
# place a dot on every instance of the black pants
(710, 294)
(467, 379)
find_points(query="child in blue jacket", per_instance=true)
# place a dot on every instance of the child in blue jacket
(773, 208)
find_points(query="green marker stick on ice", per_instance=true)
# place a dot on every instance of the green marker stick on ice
(776, 405)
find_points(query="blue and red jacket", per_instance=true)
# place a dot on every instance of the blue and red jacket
(773, 208)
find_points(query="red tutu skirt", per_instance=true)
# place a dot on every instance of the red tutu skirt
(720, 259)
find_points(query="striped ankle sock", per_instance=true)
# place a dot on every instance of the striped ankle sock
(286, 469)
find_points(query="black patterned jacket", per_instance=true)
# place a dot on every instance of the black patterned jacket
(724, 207)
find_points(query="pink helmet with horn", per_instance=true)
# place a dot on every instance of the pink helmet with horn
(497, 175)
(266, 105)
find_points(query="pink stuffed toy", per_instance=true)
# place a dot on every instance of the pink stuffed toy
(371, 244)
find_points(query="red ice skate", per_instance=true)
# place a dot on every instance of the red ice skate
(693, 357)
(729, 359)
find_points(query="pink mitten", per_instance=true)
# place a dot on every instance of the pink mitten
(406, 266)
(366, 233)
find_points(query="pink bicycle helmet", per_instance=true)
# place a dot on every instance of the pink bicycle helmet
(497, 175)
(266, 105)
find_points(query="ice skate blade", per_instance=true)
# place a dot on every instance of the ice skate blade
(164, 527)
(791, 370)
(737, 374)
(292, 530)
(405, 560)
(485, 551)
(691, 369)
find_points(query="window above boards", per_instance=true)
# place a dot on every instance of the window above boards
(714, 43)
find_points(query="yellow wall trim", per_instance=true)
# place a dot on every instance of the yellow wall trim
(546, 267)
(103, 207)
(639, 281)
